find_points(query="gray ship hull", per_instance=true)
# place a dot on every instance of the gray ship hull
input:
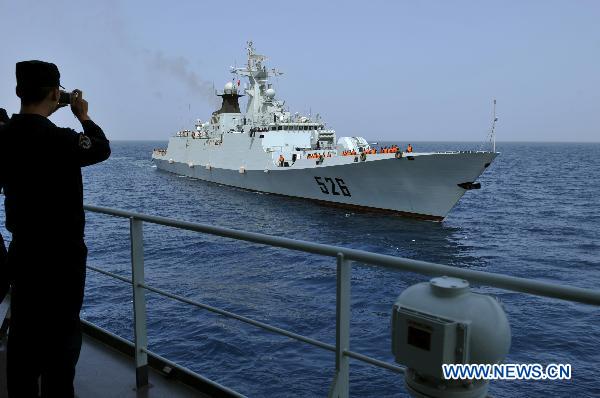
(423, 185)
(269, 149)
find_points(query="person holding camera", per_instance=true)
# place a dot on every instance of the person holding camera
(40, 172)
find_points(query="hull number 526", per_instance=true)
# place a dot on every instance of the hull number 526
(332, 186)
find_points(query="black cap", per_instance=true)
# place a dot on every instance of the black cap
(32, 74)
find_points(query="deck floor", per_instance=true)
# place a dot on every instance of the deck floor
(106, 373)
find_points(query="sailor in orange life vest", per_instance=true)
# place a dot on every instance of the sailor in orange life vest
(409, 148)
(281, 160)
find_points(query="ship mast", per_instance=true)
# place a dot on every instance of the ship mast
(257, 75)
(493, 130)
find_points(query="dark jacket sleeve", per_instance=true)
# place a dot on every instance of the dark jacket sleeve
(89, 147)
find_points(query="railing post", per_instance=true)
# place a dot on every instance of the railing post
(340, 387)
(139, 301)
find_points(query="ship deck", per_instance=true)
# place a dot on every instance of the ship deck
(104, 372)
(107, 370)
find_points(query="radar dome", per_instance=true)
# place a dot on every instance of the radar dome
(228, 87)
(270, 93)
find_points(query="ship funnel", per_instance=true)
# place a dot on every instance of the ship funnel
(230, 102)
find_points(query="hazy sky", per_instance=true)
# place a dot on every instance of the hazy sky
(396, 70)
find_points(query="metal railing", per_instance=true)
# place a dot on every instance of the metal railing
(344, 256)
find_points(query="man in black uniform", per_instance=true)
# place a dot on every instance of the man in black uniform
(40, 171)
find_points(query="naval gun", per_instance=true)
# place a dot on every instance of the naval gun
(443, 322)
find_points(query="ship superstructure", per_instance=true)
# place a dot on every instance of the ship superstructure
(268, 149)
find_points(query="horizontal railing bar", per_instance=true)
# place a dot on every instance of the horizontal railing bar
(241, 318)
(284, 332)
(376, 362)
(570, 293)
(112, 275)
(193, 374)
(355, 355)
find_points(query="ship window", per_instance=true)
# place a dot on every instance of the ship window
(279, 128)
(273, 127)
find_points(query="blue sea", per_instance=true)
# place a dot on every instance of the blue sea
(537, 216)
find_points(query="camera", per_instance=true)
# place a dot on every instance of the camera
(65, 98)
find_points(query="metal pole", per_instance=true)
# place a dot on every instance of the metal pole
(340, 388)
(494, 128)
(139, 302)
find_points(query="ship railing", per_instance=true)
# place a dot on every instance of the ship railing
(344, 258)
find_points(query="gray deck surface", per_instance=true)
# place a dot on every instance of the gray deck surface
(105, 372)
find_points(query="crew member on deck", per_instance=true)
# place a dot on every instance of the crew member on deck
(40, 171)
(409, 148)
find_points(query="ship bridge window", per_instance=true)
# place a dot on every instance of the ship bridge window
(273, 128)
(280, 128)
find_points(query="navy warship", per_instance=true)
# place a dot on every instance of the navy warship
(269, 149)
